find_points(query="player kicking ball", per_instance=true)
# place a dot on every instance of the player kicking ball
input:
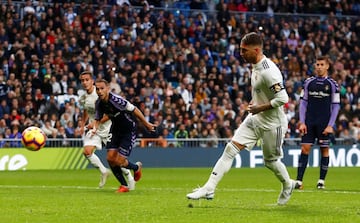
(266, 122)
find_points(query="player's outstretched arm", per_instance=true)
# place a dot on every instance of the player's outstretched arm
(139, 115)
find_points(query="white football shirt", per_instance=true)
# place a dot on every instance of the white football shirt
(87, 102)
(267, 84)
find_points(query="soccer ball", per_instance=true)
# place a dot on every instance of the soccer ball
(33, 138)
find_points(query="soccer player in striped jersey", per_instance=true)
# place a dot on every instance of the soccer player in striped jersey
(266, 122)
(93, 141)
(318, 110)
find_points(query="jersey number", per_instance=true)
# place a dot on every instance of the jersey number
(108, 139)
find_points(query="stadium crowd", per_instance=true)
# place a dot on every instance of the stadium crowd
(178, 61)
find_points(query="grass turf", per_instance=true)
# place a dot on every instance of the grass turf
(244, 195)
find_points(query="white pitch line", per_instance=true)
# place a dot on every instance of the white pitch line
(300, 191)
(50, 187)
(178, 189)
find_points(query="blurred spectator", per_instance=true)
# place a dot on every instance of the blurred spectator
(3, 126)
(346, 136)
(70, 15)
(50, 107)
(114, 86)
(213, 142)
(354, 129)
(15, 134)
(181, 134)
(7, 136)
(4, 108)
(61, 134)
(48, 129)
(69, 129)
(28, 9)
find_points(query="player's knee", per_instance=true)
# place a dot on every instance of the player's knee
(88, 151)
(269, 164)
(114, 159)
(111, 158)
(231, 150)
(305, 149)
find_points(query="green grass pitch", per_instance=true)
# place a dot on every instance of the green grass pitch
(244, 195)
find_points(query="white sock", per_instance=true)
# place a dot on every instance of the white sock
(127, 173)
(94, 160)
(222, 166)
(279, 169)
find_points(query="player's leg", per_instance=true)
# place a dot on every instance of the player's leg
(272, 151)
(302, 165)
(89, 152)
(118, 173)
(288, 185)
(91, 143)
(324, 143)
(136, 167)
(116, 159)
(119, 148)
(324, 165)
(130, 178)
(306, 142)
(223, 165)
(124, 145)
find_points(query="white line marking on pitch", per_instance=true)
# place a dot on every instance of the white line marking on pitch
(179, 189)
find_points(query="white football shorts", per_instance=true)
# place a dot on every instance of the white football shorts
(271, 140)
(94, 140)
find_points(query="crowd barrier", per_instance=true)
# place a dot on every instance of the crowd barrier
(59, 154)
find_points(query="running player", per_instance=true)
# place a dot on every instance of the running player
(92, 140)
(123, 115)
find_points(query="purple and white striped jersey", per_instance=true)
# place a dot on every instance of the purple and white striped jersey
(119, 111)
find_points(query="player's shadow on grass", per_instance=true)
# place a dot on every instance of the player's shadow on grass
(289, 210)
(203, 204)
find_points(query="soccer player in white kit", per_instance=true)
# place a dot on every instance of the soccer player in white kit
(266, 122)
(94, 141)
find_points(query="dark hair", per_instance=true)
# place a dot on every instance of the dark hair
(326, 58)
(252, 39)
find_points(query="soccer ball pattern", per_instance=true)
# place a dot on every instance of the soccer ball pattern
(33, 138)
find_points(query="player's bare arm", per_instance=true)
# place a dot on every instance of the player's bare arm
(105, 118)
(280, 98)
(303, 128)
(328, 130)
(255, 109)
(93, 124)
(85, 118)
(139, 115)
